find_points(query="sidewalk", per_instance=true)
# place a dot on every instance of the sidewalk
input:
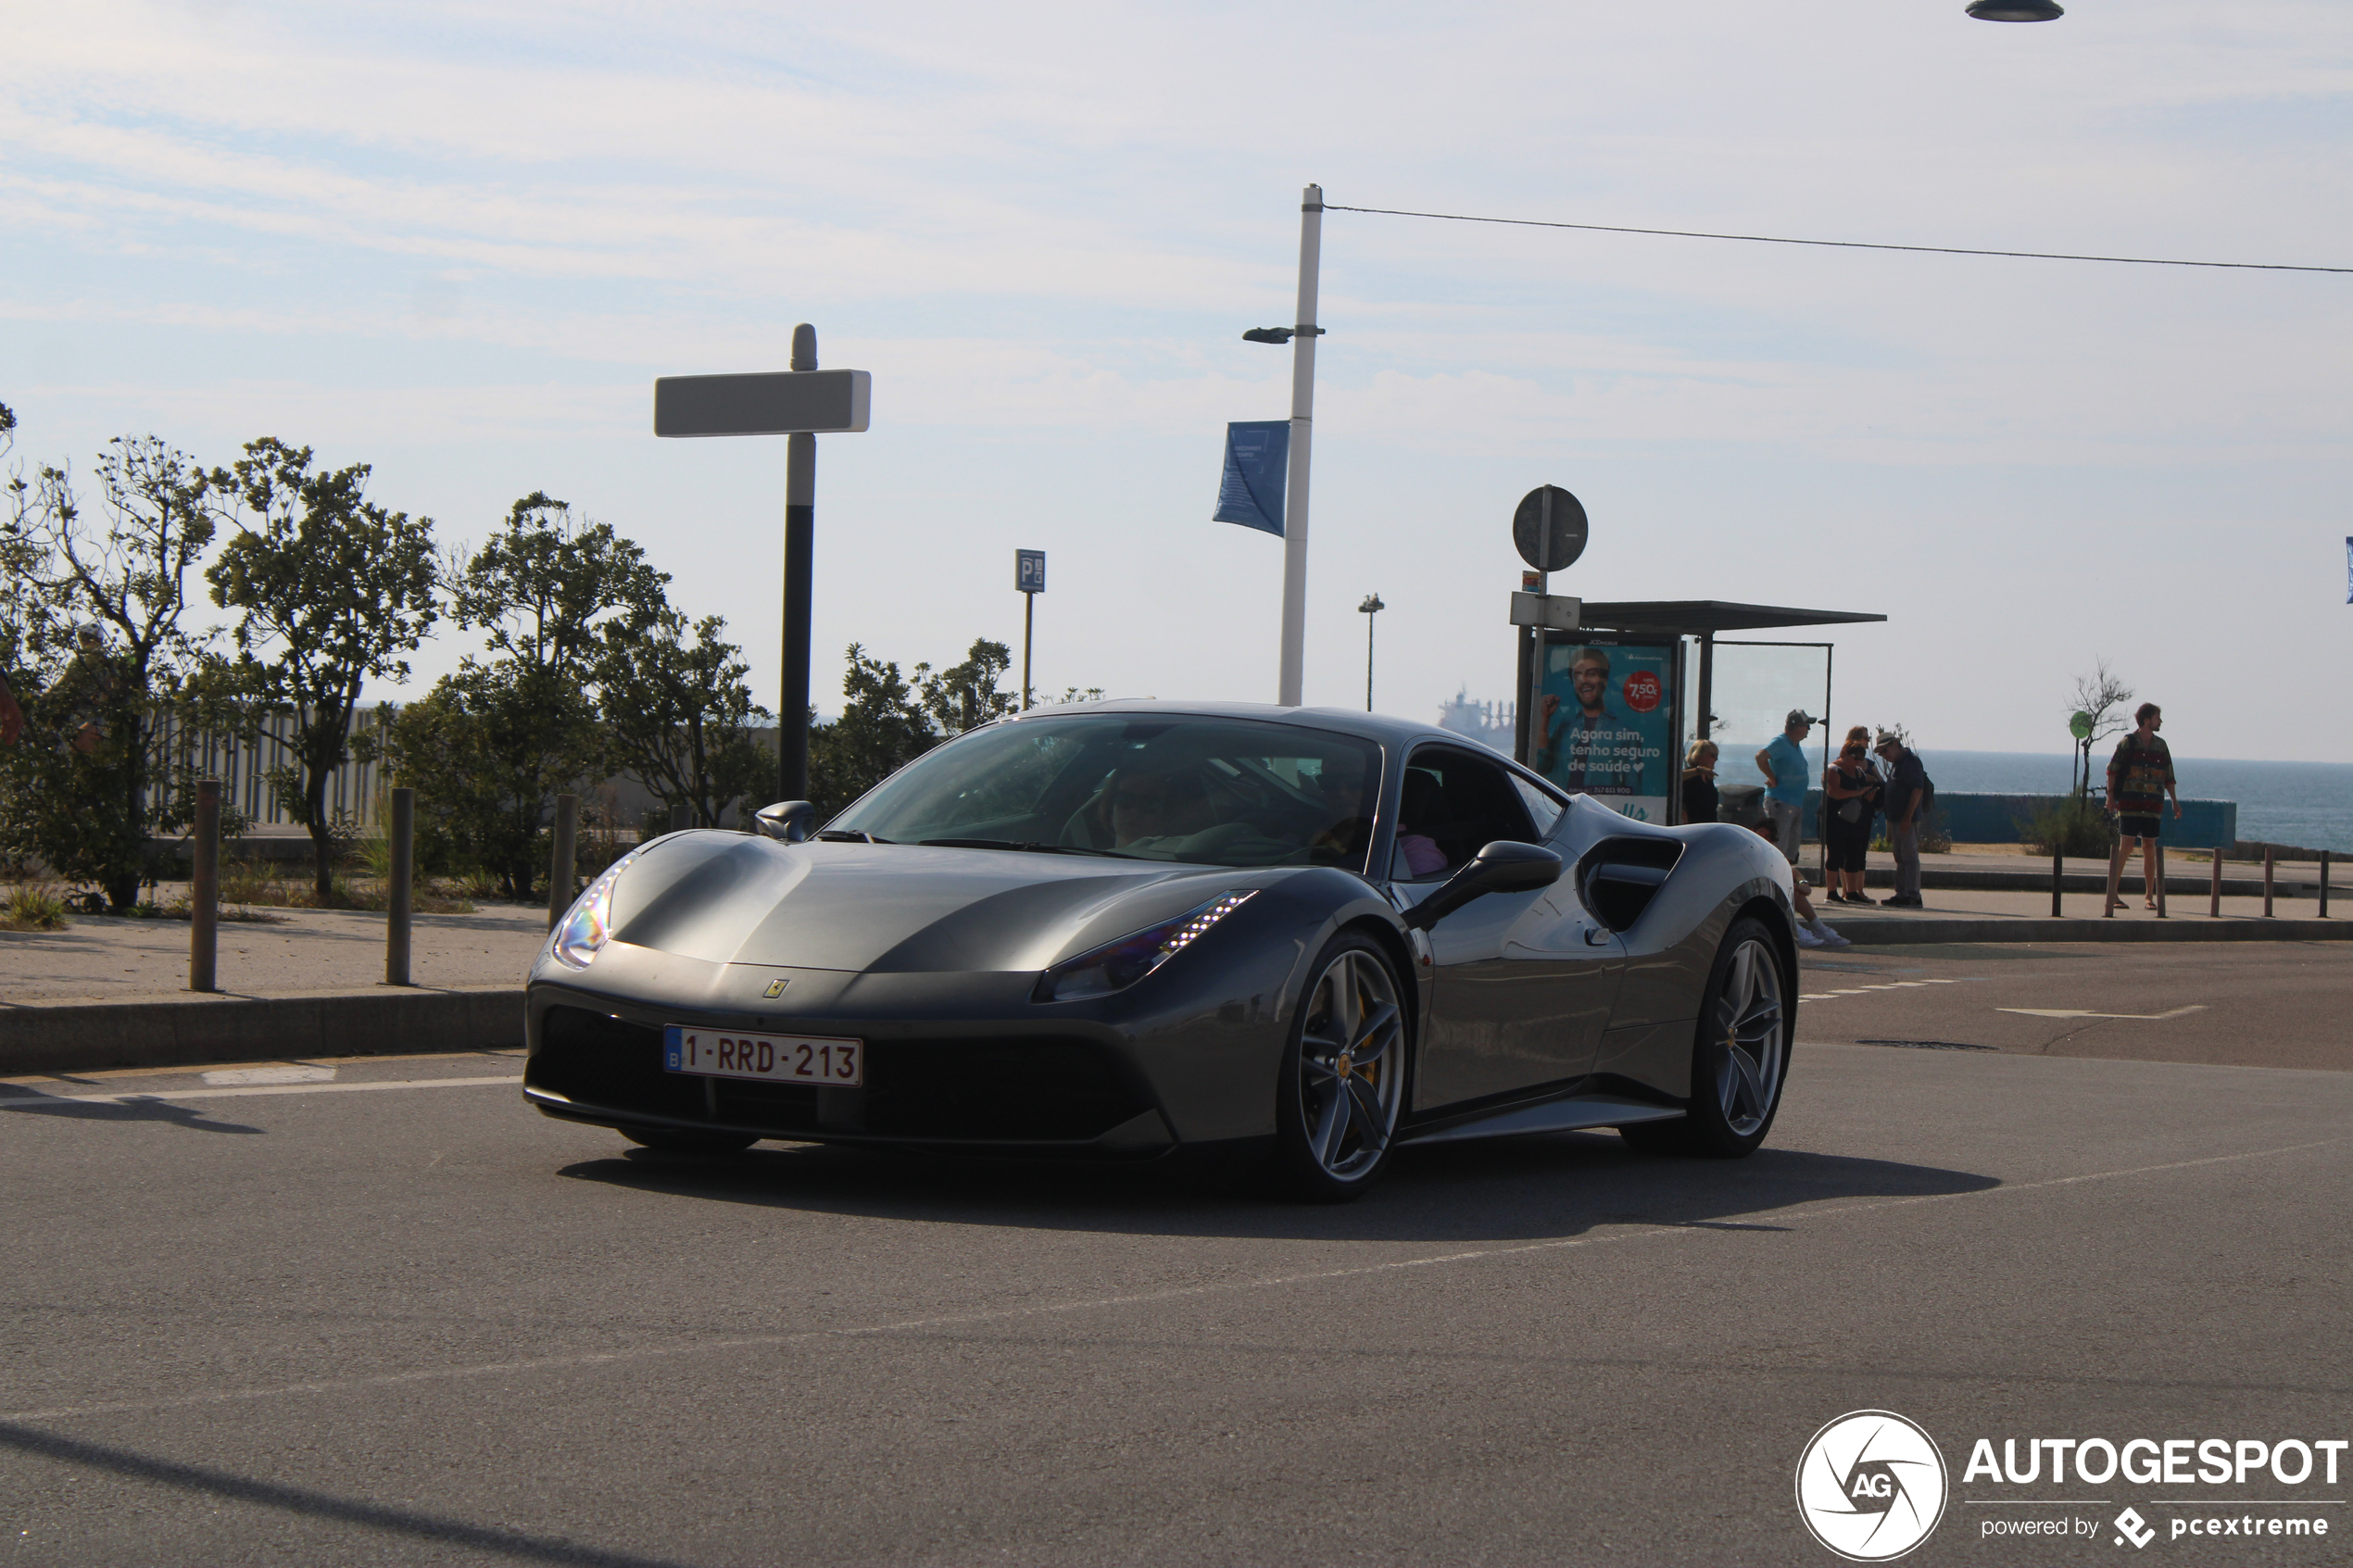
(1991, 915)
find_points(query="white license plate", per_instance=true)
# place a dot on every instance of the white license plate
(773, 1058)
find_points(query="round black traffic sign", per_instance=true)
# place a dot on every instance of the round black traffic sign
(1549, 528)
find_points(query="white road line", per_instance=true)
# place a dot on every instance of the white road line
(19, 1097)
(2079, 1012)
(1009, 1315)
(227, 1076)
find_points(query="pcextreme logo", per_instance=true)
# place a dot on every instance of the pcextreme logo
(1871, 1486)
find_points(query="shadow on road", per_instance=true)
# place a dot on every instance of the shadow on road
(1520, 1189)
(224, 1485)
(33, 1102)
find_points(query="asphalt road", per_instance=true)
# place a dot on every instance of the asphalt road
(309, 1322)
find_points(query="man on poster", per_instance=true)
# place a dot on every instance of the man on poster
(1593, 750)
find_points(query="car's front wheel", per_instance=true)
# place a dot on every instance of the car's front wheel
(688, 1141)
(1740, 1058)
(1343, 1076)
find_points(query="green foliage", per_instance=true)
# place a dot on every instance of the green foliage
(490, 748)
(335, 588)
(882, 728)
(964, 696)
(679, 715)
(98, 772)
(2071, 826)
(29, 908)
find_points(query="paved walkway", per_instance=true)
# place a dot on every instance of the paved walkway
(110, 958)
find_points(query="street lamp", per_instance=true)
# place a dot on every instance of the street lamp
(2015, 10)
(1369, 609)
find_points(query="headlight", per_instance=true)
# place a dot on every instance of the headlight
(1114, 966)
(587, 926)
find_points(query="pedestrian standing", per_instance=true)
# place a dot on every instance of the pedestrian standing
(1850, 795)
(1783, 764)
(2140, 775)
(1700, 803)
(1905, 798)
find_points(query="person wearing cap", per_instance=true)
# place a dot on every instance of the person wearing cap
(1906, 790)
(1783, 764)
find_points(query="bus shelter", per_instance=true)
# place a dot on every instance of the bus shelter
(1618, 699)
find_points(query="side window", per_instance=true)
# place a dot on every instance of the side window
(1453, 804)
(1541, 807)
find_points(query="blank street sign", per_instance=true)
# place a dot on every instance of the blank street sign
(775, 403)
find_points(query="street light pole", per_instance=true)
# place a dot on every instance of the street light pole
(1371, 607)
(1303, 416)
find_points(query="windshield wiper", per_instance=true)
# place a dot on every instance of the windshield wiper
(849, 835)
(1033, 847)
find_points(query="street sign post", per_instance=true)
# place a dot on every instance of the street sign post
(799, 404)
(1030, 580)
(1548, 529)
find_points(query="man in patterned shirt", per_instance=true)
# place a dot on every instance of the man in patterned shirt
(2139, 777)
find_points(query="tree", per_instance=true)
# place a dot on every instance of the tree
(339, 587)
(964, 696)
(882, 728)
(2101, 695)
(96, 615)
(679, 715)
(547, 592)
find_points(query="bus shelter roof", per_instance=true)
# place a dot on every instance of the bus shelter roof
(1694, 618)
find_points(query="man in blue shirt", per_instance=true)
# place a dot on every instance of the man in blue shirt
(1783, 765)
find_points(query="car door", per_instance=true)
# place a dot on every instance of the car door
(1523, 981)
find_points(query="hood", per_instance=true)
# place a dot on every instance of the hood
(725, 898)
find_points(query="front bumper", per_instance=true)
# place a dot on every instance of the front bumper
(594, 1061)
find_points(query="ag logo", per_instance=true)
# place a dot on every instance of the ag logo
(1871, 1485)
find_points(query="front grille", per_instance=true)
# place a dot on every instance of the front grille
(1011, 1090)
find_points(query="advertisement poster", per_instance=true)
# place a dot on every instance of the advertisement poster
(1608, 712)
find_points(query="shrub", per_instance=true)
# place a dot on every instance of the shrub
(2072, 826)
(33, 909)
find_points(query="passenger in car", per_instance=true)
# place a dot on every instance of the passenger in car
(1422, 807)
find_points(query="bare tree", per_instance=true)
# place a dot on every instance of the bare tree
(2101, 696)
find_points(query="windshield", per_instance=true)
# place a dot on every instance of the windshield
(1217, 792)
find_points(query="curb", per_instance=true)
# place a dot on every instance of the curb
(78, 1037)
(1885, 931)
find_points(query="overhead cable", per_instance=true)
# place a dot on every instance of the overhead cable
(1840, 244)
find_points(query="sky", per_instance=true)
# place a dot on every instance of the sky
(457, 242)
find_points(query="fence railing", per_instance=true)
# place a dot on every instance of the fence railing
(243, 763)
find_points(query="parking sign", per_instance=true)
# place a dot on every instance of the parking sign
(1029, 571)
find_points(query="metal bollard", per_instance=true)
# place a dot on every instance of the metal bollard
(204, 890)
(2324, 884)
(2160, 859)
(682, 817)
(560, 873)
(2270, 860)
(400, 893)
(2214, 904)
(2056, 871)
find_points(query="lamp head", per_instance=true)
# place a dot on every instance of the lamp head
(2015, 10)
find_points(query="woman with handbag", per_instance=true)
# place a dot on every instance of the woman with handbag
(1851, 788)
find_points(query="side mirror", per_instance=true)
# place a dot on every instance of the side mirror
(791, 821)
(1502, 867)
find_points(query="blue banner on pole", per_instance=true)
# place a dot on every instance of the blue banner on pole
(1257, 461)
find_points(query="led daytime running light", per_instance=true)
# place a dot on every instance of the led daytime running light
(1114, 966)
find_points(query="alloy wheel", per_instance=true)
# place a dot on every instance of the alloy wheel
(1352, 1065)
(1750, 1025)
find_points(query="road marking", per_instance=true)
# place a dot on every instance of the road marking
(2079, 1012)
(227, 1076)
(1174, 1292)
(256, 1089)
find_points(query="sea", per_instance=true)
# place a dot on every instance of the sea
(2306, 804)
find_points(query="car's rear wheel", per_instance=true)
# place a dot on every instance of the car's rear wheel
(1741, 1058)
(1344, 1075)
(688, 1141)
